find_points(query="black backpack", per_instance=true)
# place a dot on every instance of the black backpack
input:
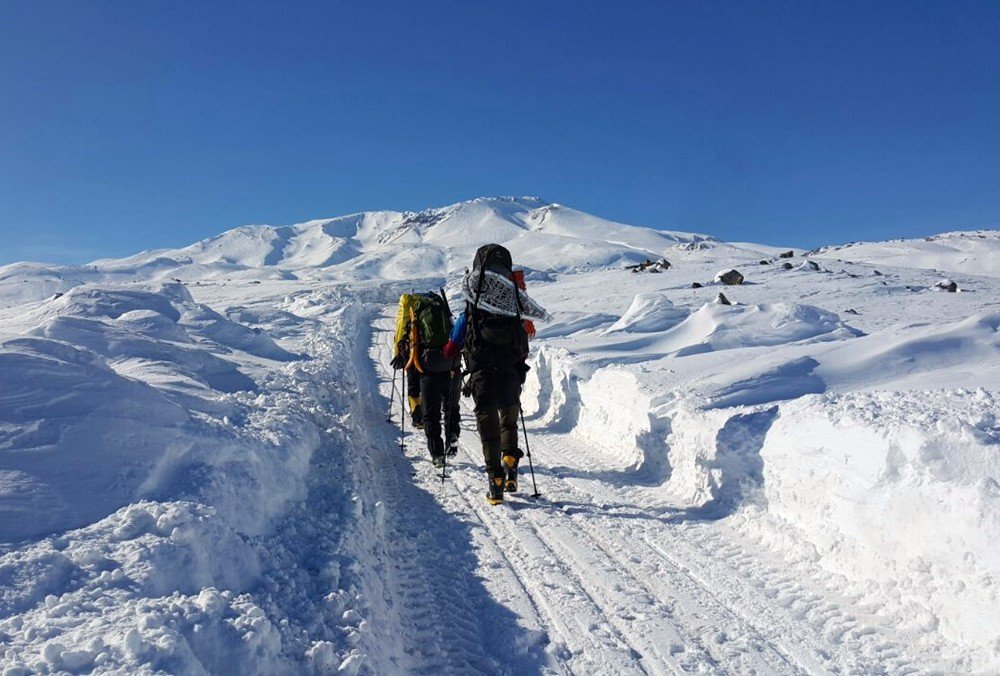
(492, 336)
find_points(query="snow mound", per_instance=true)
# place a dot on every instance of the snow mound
(75, 437)
(648, 313)
(726, 327)
(105, 401)
(924, 355)
(155, 586)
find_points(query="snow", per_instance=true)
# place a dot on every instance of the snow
(197, 476)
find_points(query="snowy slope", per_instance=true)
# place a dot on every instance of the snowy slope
(196, 474)
(969, 253)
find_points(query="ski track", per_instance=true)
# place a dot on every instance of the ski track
(619, 588)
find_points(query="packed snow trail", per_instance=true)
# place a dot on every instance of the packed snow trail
(619, 587)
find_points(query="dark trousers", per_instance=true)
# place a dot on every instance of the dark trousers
(439, 394)
(497, 394)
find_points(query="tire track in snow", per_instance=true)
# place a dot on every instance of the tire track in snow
(651, 640)
(571, 610)
(824, 638)
(733, 644)
(430, 599)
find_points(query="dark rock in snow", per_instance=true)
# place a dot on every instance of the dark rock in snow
(730, 277)
(651, 266)
(722, 300)
(851, 311)
(810, 265)
(787, 266)
(695, 285)
(764, 263)
(787, 254)
(947, 285)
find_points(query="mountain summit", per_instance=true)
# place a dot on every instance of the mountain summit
(435, 241)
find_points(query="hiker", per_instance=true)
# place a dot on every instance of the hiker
(492, 336)
(423, 326)
(401, 358)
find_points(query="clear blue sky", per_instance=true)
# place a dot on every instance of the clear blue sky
(134, 125)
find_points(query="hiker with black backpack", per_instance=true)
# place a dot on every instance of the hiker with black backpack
(424, 325)
(492, 336)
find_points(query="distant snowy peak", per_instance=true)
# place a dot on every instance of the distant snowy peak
(431, 242)
(973, 252)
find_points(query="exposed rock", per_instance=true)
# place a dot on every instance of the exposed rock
(787, 254)
(765, 263)
(947, 285)
(787, 266)
(650, 265)
(729, 277)
(810, 265)
(695, 285)
(851, 311)
(722, 300)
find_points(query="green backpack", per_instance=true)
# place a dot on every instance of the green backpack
(433, 320)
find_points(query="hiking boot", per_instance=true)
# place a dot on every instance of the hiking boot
(438, 461)
(452, 450)
(418, 417)
(509, 463)
(495, 494)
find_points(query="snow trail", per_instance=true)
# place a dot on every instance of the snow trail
(626, 587)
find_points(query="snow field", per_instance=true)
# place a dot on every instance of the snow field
(196, 476)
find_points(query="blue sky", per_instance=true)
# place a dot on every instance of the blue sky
(134, 125)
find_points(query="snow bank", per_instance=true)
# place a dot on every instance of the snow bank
(898, 490)
(155, 504)
(118, 394)
(138, 591)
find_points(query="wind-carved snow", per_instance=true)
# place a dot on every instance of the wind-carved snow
(196, 474)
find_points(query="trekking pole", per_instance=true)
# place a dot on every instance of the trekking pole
(447, 423)
(402, 415)
(392, 397)
(527, 450)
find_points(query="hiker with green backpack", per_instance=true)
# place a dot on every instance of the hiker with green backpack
(401, 358)
(492, 335)
(423, 326)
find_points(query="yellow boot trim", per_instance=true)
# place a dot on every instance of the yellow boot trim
(509, 460)
(414, 402)
(497, 481)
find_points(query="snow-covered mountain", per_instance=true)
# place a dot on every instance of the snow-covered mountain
(406, 245)
(196, 475)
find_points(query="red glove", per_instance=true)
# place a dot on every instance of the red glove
(450, 349)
